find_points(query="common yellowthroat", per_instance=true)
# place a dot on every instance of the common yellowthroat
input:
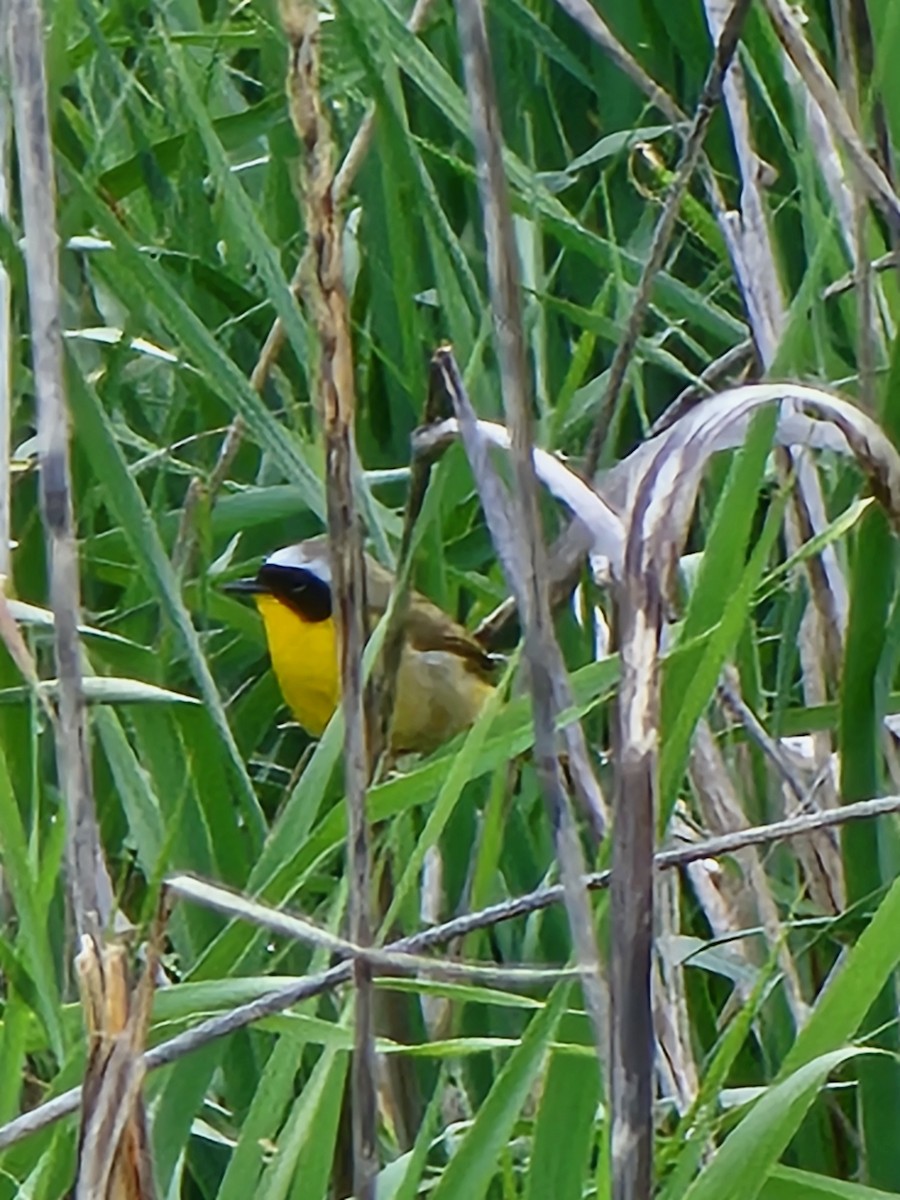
(444, 676)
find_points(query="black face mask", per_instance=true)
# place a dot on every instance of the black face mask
(297, 587)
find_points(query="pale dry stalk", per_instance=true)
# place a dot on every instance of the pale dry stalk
(89, 883)
(324, 296)
(114, 1159)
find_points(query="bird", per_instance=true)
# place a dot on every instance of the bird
(444, 677)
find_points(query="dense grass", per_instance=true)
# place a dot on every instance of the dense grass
(177, 166)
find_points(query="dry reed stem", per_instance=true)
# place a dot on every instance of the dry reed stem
(639, 611)
(495, 501)
(322, 288)
(519, 541)
(87, 875)
(524, 559)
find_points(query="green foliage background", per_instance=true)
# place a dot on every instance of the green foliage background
(178, 211)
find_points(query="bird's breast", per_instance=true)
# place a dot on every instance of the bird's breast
(305, 662)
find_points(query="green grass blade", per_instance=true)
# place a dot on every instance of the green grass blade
(127, 503)
(469, 1173)
(744, 1160)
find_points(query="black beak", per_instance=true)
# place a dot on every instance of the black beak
(243, 587)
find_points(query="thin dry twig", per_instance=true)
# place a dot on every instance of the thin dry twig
(383, 962)
(88, 879)
(725, 48)
(392, 647)
(736, 358)
(586, 16)
(525, 905)
(729, 693)
(884, 262)
(322, 287)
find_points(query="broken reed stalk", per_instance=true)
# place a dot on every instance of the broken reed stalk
(114, 1157)
(322, 289)
(525, 905)
(632, 1042)
(89, 882)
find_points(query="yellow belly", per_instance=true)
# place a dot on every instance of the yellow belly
(304, 659)
(437, 695)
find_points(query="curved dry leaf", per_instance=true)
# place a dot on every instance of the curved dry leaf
(665, 491)
(606, 533)
(668, 468)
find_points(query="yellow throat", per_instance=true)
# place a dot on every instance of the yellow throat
(304, 659)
